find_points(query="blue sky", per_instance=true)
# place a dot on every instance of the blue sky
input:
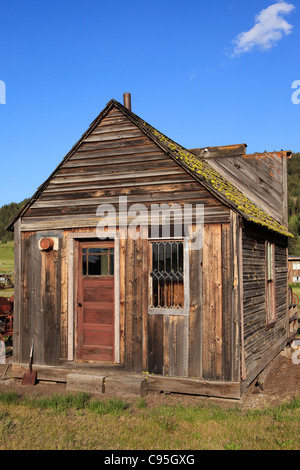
(204, 73)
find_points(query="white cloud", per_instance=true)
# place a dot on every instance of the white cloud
(269, 28)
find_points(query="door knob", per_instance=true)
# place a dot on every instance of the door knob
(79, 305)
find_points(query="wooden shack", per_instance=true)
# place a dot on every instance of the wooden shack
(203, 321)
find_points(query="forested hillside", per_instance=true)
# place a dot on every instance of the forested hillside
(8, 211)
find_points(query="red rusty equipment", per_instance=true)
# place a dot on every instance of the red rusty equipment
(6, 316)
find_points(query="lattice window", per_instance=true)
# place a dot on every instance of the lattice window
(167, 275)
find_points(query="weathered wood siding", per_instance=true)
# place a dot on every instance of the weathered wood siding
(39, 313)
(204, 343)
(117, 159)
(261, 177)
(261, 344)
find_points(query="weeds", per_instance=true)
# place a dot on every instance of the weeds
(63, 403)
(68, 422)
(9, 398)
(113, 406)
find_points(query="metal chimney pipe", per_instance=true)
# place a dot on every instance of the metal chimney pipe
(127, 100)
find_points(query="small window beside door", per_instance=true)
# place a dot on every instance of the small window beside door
(98, 261)
(270, 285)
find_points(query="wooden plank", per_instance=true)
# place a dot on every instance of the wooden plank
(64, 299)
(51, 307)
(38, 288)
(115, 168)
(212, 302)
(210, 388)
(130, 282)
(228, 256)
(137, 292)
(145, 275)
(84, 220)
(241, 304)
(122, 293)
(111, 176)
(17, 291)
(156, 351)
(115, 184)
(44, 372)
(117, 299)
(136, 190)
(25, 330)
(102, 161)
(116, 135)
(237, 296)
(71, 298)
(155, 197)
(103, 129)
(176, 344)
(195, 312)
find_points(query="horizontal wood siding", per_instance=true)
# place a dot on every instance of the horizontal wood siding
(261, 343)
(117, 159)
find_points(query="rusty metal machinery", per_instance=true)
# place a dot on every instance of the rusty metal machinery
(6, 316)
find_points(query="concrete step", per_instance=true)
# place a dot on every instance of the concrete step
(88, 383)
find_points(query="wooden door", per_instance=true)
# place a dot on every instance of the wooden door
(95, 302)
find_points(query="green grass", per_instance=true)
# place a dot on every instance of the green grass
(7, 265)
(80, 422)
(7, 257)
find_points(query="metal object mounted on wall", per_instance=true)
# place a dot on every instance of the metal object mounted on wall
(48, 244)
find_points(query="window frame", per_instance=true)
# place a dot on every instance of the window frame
(186, 274)
(270, 285)
(109, 254)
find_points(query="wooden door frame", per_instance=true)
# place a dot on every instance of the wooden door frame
(73, 239)
(79, 325)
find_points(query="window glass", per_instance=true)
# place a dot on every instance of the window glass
(97, 261)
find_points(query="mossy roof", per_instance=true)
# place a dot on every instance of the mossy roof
(197, 166)
(211, 179)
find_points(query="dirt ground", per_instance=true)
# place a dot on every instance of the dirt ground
(281, 385)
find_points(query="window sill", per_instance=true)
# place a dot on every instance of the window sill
(167, 311)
